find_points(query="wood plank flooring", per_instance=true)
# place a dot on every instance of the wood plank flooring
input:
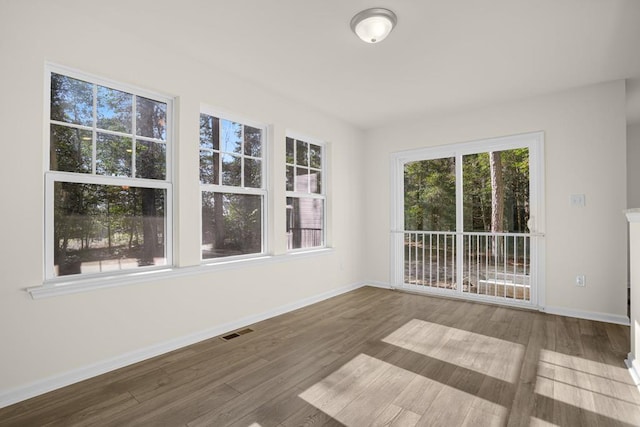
(371, 357)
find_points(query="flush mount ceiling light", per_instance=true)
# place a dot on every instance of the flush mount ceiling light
(373, 25)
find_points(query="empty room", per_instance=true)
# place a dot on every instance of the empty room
(331, 213)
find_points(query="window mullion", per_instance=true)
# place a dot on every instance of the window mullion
(134, 133)
(94, 134)
(242, 155)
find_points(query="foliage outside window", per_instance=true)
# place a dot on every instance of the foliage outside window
(232, 186)
(495, 192)
(107, 185)
(306, 201)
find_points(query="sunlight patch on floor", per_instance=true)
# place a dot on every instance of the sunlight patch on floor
(487, 355)
(368, 391)
(537, 422)
(586, 384)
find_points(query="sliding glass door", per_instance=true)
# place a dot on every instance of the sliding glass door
(467, 219)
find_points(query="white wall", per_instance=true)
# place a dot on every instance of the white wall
(633, 166)
(585, 150)
(49, 337)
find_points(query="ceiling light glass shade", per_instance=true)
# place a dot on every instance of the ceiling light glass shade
(373, 25)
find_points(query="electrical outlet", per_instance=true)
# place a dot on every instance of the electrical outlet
(580, 281)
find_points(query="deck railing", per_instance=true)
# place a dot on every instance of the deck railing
(490, 264)
(304, 238)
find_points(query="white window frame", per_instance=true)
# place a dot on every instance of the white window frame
(51, 177)
(323, 186)
(220, 188)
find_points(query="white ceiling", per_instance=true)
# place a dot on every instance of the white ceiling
(444, 55)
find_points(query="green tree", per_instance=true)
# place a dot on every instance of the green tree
(430, 195)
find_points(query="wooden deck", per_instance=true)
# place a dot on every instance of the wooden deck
(369, 357)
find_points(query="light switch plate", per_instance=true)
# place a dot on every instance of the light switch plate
(577, 200)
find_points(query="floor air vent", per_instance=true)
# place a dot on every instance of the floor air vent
(236, 334)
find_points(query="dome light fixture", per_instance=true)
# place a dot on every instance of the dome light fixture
(373, 25)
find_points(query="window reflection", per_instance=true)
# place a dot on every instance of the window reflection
(99, 228)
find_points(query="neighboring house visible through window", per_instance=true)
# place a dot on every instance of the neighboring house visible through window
(108, 187)
(232, 178)
(306, 201)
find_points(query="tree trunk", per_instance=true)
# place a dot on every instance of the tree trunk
(149, 215)
(497, 199)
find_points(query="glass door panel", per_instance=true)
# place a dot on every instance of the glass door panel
(496, 251)
(430, 223)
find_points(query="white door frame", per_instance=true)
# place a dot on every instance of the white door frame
(534, 142)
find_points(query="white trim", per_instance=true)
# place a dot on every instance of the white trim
(230, 189)
(588, 315)
(378, 284)
(464, 296)
(556, 311)
(107, 180)
(71, 285)
(61, 380)
(633, 215)
(500, 143)
(396, 215)
(306, 195)
(634, 369)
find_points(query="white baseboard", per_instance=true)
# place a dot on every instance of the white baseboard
(376, 284)
(37, 388)
(634, 369)
(589, 315)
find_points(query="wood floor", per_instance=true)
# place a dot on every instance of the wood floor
(369, 357)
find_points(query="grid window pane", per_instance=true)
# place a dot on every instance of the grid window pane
(113, 155)
(302, 180)
(252, 141)
(231, 224)
(114, 110)
(208, 167)
(105, 228)
(71, 149)
(315, 156)
(290, 156)
(71, 100)
(290, 178)
(305, 222)
(231, 137)
(252, 173)
(150, 159)
(231, 166)
(302, 154)
(151, 118)
(209, 132)
(315, 182)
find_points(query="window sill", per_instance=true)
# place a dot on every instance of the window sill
(72, 286)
